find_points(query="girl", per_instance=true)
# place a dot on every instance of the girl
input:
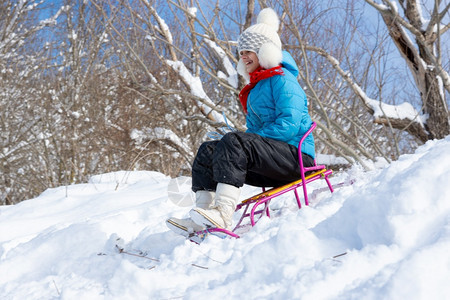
(266, 154)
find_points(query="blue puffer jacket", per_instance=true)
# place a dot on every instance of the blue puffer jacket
(277, 108)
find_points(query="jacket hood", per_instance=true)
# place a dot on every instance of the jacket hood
(289, 64)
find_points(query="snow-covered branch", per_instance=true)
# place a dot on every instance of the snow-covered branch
(401, 116)
(195, 86)
(164, 30)
(422, 59)
(231, 74)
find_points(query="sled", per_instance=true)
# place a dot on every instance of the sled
(250, 205)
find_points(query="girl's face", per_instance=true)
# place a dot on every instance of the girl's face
(250, 60)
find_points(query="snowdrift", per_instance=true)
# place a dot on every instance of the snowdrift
(387, 236)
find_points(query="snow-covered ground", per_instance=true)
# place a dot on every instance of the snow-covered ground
(387, 236)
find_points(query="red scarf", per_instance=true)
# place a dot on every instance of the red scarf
(255, 77)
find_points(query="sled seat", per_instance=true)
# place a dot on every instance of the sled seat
(250, 205)
(308, 175)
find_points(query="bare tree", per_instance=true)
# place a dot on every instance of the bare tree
(164, 62)
(418, 40)
(21, 62)
(341, 116)
(136, 84)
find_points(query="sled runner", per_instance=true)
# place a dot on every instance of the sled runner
(250, 205)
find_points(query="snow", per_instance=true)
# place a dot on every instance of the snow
(327, 159)
(423, 21)
(163, 26)
(154, 134)
(441, 88)
(400, 112)
(386, 236)
(192, 11)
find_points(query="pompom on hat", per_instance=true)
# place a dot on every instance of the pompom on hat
(262, 38)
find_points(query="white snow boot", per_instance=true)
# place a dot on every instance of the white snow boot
(220, 215)
(204, 199)
(186, 227)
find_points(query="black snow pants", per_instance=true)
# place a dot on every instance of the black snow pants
(246, 158)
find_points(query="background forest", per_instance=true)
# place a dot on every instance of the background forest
(89, 87)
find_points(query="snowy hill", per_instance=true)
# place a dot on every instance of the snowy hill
(387, 236)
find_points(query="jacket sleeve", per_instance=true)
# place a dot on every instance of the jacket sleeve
(289, 101)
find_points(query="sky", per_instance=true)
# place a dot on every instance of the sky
(393, 61)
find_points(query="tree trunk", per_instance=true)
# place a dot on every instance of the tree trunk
(422, 65)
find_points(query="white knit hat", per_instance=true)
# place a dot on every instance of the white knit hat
(262, 38)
